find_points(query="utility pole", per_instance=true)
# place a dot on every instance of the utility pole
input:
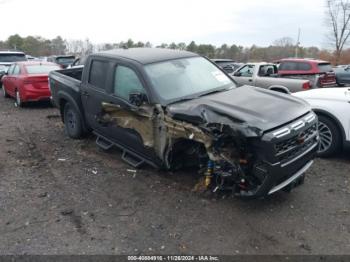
(297, 45)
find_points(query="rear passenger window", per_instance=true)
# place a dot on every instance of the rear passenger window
(126, 82)
(16, 70)
(98, 74)
(294, 66)
(288, 66)
(304, 67)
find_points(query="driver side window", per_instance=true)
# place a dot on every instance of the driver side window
(126, 82)
(247, 71)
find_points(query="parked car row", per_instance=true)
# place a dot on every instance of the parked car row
(318, 73)
(176, 109)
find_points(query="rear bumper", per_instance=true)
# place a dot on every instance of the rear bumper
(331, 84)
(28, 95)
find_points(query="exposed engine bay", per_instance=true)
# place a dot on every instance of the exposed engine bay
(228, 153)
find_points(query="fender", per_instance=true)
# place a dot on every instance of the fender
(279, 87)
(66, 96)
(332, 117)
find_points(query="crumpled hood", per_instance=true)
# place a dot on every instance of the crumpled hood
(245, 107)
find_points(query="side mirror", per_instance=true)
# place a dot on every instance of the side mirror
(237, 74)
(3, 72)
(137, 99)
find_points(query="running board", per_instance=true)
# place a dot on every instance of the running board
(132, 159)
(104, 143)
(128, 156)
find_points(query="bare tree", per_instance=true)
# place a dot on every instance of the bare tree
(338, 20)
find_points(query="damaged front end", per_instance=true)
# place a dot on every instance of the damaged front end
(230, 154)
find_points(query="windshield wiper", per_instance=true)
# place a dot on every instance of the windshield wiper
(214, 91)
(183, 100)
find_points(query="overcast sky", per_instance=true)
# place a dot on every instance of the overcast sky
(250, 22)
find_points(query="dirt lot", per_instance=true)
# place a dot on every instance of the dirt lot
(59, 196)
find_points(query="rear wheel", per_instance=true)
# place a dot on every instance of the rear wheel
(19, 101)
(330, 137)
(72, 122)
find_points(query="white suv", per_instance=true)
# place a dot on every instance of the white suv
(332, 105)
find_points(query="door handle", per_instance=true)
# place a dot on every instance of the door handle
(111, 104)
(250, 80)
(85, 93)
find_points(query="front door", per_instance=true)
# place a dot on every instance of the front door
(130, 124)
(8, 81)
(245, 76)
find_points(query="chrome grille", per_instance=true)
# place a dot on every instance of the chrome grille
(292, 147)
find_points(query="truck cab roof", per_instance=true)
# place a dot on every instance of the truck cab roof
(146, 55)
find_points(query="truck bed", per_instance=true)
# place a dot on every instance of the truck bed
(66, 81)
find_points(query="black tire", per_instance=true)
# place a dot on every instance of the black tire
(72, 122)
(330, 137)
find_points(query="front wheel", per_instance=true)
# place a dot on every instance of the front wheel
(330, 138)
(5, 94)
(72, 122)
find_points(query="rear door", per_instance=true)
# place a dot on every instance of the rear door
(94, 92)
(16, 84)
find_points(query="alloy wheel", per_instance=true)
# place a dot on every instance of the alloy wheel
(326, 137)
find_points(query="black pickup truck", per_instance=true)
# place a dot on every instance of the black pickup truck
(175, 109)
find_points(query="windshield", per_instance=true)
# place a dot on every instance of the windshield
(188, 77)
(65, 60)
(12, 57)
(41, 69)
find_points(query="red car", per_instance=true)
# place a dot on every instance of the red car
(319, 72)
(28, 81)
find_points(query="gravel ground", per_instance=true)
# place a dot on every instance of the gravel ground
(63, 196)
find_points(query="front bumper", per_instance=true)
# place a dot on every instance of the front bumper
(283, 158)
(279, 175)
(292, 179)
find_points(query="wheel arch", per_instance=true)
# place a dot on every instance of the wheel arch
(335, 120)
(279, 88)
(65, 98)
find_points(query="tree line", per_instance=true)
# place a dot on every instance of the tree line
(280, 48)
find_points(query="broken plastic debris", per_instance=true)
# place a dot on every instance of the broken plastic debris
(61, 159)
(131, 170)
